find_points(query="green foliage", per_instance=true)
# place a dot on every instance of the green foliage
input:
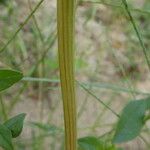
(131, 120)
(15, 124)
(8, 78)
(3, 1)
(5, 138)
(93, 143)
(11, 129)
(133, 117)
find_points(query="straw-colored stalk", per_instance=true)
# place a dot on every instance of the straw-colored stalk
(65, 21)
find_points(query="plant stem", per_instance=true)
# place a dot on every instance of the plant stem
(65, 20)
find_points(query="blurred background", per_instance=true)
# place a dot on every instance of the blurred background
(109, 61)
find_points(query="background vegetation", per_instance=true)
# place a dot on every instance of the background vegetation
(111, 68)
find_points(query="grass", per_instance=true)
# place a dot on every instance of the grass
(20, 28)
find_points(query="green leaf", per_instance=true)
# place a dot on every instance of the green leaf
(8, 78)
(93, 143)
(131, 121)
(4, 2)
(15, 124)
(5, 138)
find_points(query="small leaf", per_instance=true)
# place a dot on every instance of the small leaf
(93, 143)
(5, 138)
(8, 78)
(131, 121)
(15, 124)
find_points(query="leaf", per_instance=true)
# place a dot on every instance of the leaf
(15, 124)
(131, 121)
(5, 138)
(89, 143)
(2, 1)
(8, 78)
(93, 143)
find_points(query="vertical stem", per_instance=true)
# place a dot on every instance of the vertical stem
(65, 21)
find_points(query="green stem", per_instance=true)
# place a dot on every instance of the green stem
(65, 20)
